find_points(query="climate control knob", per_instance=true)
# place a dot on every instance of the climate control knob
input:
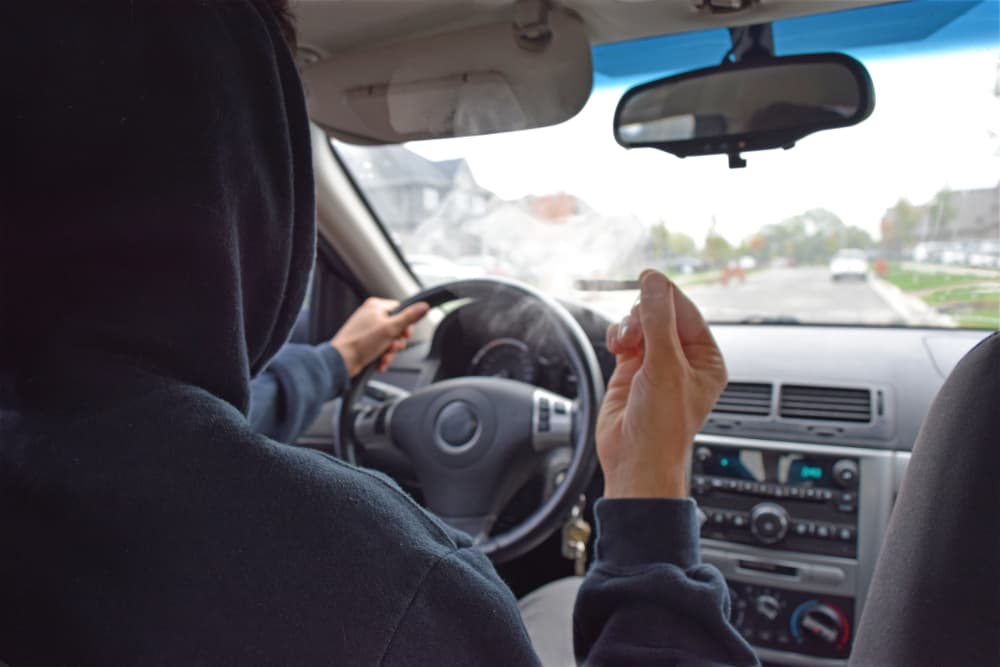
(769, 522)
(820, 622)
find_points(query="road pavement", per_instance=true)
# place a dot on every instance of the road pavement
(806, 294)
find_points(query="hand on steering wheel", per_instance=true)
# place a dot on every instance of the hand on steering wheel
(474, 441)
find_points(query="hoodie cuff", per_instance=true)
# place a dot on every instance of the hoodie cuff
(639, 531)
(334, 363)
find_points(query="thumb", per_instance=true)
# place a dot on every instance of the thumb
(409, 315)
(663, 352)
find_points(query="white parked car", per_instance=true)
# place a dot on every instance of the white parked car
(849, 263)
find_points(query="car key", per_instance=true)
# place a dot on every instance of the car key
(576, 533)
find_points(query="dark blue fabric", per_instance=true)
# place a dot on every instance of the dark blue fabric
(648, 599)
(157, 237)
(286, 398)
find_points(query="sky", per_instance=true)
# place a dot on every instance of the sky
(936, 124)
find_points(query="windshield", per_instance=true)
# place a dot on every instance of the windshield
(912, 192)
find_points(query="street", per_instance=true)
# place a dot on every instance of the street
(806, 294)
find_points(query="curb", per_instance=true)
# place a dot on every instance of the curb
(912, 309)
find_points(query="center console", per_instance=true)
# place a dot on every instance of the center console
(795, 529)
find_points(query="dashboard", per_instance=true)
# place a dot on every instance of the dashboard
(796, 469)
(516, 344)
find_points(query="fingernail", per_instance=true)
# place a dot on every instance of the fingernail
(622, 328)
(653, 284)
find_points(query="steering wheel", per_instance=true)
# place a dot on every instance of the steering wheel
(474, 441)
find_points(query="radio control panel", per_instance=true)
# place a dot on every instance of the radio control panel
(778, 499)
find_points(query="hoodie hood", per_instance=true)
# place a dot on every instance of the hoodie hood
(159, 194)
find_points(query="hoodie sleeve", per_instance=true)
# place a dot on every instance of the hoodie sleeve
(648, 599)
(286, 397)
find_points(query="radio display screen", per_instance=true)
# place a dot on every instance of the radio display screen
(755, 465)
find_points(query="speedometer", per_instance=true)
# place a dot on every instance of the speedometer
(507, 358)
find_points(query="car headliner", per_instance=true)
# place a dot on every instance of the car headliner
(920, 25)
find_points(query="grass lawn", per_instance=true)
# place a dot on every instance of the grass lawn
(968, 294)
(911, 281)
(973, 301)
(980, 318)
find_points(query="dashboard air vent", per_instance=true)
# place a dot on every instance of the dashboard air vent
(825, 403)
(745, 398)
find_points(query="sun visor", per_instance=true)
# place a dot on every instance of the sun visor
(481, 80)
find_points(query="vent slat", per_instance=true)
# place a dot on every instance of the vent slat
(729, 400)
(745, 398)
(842, 402)
(825, 403)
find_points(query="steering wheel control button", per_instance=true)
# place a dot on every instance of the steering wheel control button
(457, 427)
(551, 427)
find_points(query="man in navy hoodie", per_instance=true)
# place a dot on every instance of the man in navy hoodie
(157, 236)
(287, 395)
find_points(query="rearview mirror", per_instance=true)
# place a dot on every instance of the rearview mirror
(748, 106)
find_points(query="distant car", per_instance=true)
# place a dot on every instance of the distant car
(849, 263)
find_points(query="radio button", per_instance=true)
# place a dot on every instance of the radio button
(731, 485)
(769, 522)
(746, 487)
(810, 494)
(716, 483)
(827, 494)
(845, 534)
(699, 485)
(847, 502)
(717, 518)
(845, 471)
(794, 492)
(739, 521)
(801, 528)
(822, 531)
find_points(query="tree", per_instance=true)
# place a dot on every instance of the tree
(940, 213)
(682, 244)
(855, 237)
(809, 238)
(663, 243)
(659, 240)
(717, 249)
(902, 228)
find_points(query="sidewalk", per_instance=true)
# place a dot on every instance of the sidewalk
(910, 308)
